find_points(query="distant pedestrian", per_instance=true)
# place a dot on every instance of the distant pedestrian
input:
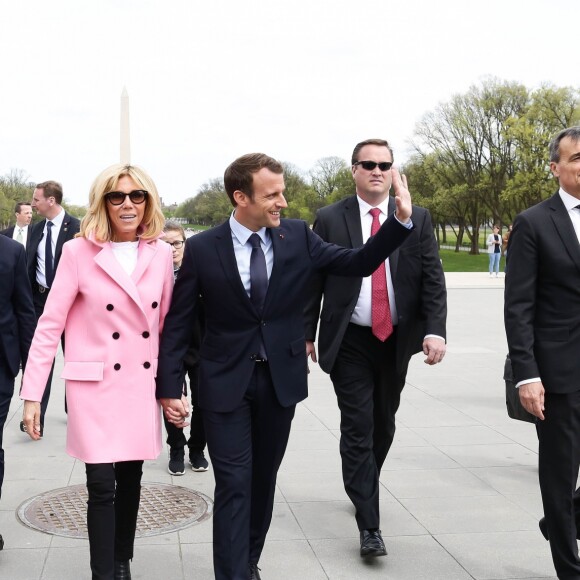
(494, 242)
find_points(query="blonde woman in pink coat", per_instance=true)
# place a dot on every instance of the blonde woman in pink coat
(110, 296)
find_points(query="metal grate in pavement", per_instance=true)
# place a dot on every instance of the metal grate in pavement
(163, 509)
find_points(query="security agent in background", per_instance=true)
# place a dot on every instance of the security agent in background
(371, 327)
(46, 240)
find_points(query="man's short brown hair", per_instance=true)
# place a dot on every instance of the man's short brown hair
(51, 189)
(239, 175)
(359, 146)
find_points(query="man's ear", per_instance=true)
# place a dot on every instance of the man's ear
(240, 198)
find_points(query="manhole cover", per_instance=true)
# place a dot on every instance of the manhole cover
(163, 509)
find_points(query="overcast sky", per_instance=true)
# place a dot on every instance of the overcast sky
(209, 81)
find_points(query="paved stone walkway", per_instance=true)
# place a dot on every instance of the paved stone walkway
(459, 496)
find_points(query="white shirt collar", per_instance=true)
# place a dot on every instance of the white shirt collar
(57, 219)
(242, 233)
(365, 208)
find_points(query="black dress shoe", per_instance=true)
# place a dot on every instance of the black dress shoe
(122, 570)
(1, 543)
(371, 544)
(544, 529)
(254, 571)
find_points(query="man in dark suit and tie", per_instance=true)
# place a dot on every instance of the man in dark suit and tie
(370, 327)
(542, 321)
(20, 231)
(46, 240)
(17, 321)
(252, 274)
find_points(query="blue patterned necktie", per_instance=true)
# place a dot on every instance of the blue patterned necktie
(48, 257)
(258, 273)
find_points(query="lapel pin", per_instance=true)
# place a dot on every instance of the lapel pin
(281, 236)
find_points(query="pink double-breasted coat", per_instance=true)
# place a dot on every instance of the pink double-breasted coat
(112, 322)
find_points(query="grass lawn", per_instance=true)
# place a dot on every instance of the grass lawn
(465, 262)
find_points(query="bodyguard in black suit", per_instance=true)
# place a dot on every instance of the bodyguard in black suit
(367, 363)
(43, 260)
(253, 363)
(20, 232)
(17, 321)
(542, 321)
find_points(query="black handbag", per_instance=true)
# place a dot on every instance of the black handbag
(514, 406)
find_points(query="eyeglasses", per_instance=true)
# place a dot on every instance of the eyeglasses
(177, 244)
(370, 165)
(118, 197)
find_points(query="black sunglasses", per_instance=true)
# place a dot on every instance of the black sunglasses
(118, 197)
(370, 165)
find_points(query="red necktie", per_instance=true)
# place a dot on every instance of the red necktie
(381, 311)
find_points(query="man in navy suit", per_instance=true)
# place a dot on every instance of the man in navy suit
(542, 322)
(20, 231)
(43, 261)
(253, 364)
(17, 321)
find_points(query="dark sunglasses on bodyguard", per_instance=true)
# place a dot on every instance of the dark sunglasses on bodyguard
(137, 196)
(370, 165)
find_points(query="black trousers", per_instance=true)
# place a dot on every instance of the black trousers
(246, 447)
(558, 463)
(114, 493)
(6, 392)
(175, 436)
(368, 390)
(39, 300)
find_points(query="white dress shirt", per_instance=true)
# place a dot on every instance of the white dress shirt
(41, 253)
(126, 254)
(243, 249)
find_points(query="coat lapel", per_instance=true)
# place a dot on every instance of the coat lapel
(106, 260)
(279, 247)
(352, 220)
(227, 257)
(63, 235)
(564, 227)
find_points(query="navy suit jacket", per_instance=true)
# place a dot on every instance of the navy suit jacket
(234, 327)
(542, 297)
(17, 317)
(69, 228)
(418, 282)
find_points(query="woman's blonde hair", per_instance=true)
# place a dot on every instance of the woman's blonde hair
(96, 220)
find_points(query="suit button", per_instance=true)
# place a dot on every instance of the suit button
(145, 334)
(110, 307)
(146, 364)
(253, 357)
(263, 323)
(117, 366)
(116, 335)
(154, 305)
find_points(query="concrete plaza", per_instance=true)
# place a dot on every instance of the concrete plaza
(459, 496)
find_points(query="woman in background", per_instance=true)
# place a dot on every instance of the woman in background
(110, 294)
